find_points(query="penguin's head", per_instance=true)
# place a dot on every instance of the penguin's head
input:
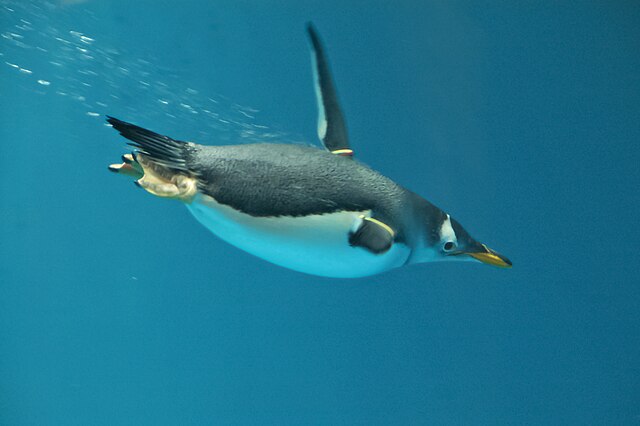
(447, 240)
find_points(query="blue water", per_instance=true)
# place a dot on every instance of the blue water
(521, 120)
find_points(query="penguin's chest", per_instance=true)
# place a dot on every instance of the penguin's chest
(314, 244)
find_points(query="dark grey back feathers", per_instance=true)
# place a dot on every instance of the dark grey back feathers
(291, 180)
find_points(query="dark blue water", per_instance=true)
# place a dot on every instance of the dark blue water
(522, 121)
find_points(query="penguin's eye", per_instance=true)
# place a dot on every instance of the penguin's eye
(449, 245)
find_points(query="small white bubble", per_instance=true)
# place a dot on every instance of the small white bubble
(162, 101)
(93, 114)
(26, 71)
(44, 82)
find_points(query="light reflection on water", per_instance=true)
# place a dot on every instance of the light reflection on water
(103, 78)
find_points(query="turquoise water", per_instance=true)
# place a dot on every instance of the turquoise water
(522, 121)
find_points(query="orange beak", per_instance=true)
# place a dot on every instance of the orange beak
(491, 257)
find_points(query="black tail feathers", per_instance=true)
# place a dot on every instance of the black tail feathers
(160, 149)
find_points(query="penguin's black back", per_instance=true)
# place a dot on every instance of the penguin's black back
(291, 180)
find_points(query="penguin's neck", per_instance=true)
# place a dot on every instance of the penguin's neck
(422, 221)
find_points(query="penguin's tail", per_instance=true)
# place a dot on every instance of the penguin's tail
(159, 164)
(160, 149)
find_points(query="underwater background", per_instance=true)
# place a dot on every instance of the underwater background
(521, 119)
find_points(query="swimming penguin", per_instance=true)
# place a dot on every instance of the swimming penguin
(317, 211)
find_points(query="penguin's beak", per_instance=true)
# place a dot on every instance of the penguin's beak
(491, 257)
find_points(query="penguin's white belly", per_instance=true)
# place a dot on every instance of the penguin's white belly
(316, 244)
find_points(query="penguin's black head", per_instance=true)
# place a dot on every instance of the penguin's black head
(447, 240)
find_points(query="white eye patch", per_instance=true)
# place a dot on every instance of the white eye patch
(446, 231)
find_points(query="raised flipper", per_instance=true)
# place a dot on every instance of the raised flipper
(159, 163)
(373, 235)
(332, 129)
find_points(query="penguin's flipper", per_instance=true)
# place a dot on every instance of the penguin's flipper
(332, 129)
(373, 235)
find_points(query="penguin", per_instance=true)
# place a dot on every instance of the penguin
(317, 211)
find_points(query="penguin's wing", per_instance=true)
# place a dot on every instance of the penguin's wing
(332, 129)
(373, 235)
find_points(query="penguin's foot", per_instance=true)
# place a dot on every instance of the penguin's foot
(156, 179)
(129, 167)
